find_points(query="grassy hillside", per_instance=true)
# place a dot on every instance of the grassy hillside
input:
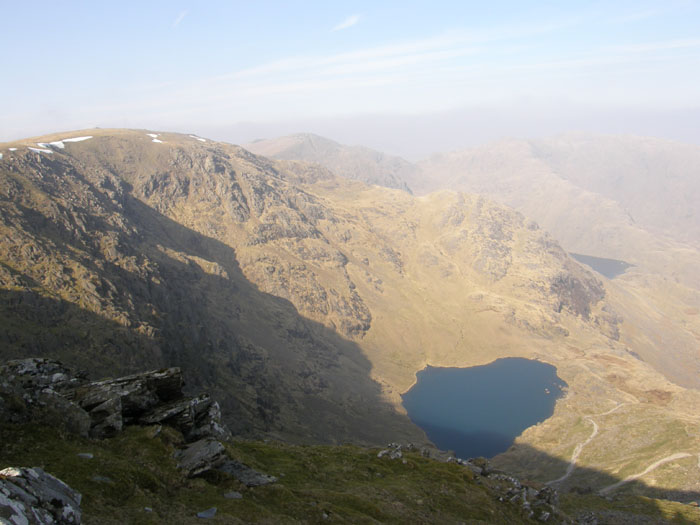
(134, 472)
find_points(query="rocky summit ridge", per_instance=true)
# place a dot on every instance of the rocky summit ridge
(306, 302)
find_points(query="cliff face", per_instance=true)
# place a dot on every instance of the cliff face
(304, 302)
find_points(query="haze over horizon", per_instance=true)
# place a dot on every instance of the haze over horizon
(407, 79)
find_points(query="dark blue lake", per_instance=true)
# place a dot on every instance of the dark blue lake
(479, 411)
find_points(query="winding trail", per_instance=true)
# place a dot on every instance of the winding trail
(651, 467)
(577, 451)
(605, 490)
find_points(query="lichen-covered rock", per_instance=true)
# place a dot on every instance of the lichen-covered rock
(138, 393)
(106, 418)
(33, 497)
(200, 457)
(195, 417)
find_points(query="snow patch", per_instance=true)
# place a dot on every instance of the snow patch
(195, 137)
(158, 141)
(12, 149)
(41, 150)
(152, 135)
(60, 144)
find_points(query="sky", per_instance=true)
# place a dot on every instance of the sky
(408, 77)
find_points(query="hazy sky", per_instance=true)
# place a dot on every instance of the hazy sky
(237, 69)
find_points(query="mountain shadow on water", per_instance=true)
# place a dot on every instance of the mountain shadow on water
(481, 443)
(274, 371)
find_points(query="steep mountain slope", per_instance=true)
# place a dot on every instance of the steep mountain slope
(101, 279)
(625, 198)
(307, 302)
(352, 162)
(653, 180)
(605, 188)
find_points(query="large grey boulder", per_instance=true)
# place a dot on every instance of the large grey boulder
(200, 457)
(31, 496)
(209, 454)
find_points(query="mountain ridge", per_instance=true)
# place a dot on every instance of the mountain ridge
(305, 293)
(352, 162)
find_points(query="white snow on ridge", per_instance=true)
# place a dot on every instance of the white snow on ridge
(12, 149)
(200, 139)
(152, 135)
(158, 141)
(41, 150)
(60, 143)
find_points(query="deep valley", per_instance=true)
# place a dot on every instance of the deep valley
(307, 298)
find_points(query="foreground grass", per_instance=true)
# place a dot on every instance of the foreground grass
(132, 478)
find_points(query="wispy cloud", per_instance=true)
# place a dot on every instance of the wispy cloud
(348, 22)
(180, 18)
(431, 73)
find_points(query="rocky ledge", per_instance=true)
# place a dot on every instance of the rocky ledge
(47, 392)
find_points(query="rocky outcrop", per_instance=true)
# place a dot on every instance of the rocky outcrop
(33, 497)
(46, 391)
(208, 455)
(39, 389)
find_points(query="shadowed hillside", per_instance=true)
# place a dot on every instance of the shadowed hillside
(307, 302)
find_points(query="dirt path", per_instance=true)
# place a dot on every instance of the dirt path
(667, 459)
(577, 451)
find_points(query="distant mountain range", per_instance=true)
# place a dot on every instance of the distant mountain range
(619, 197)
(352, 162)
(307, 299)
